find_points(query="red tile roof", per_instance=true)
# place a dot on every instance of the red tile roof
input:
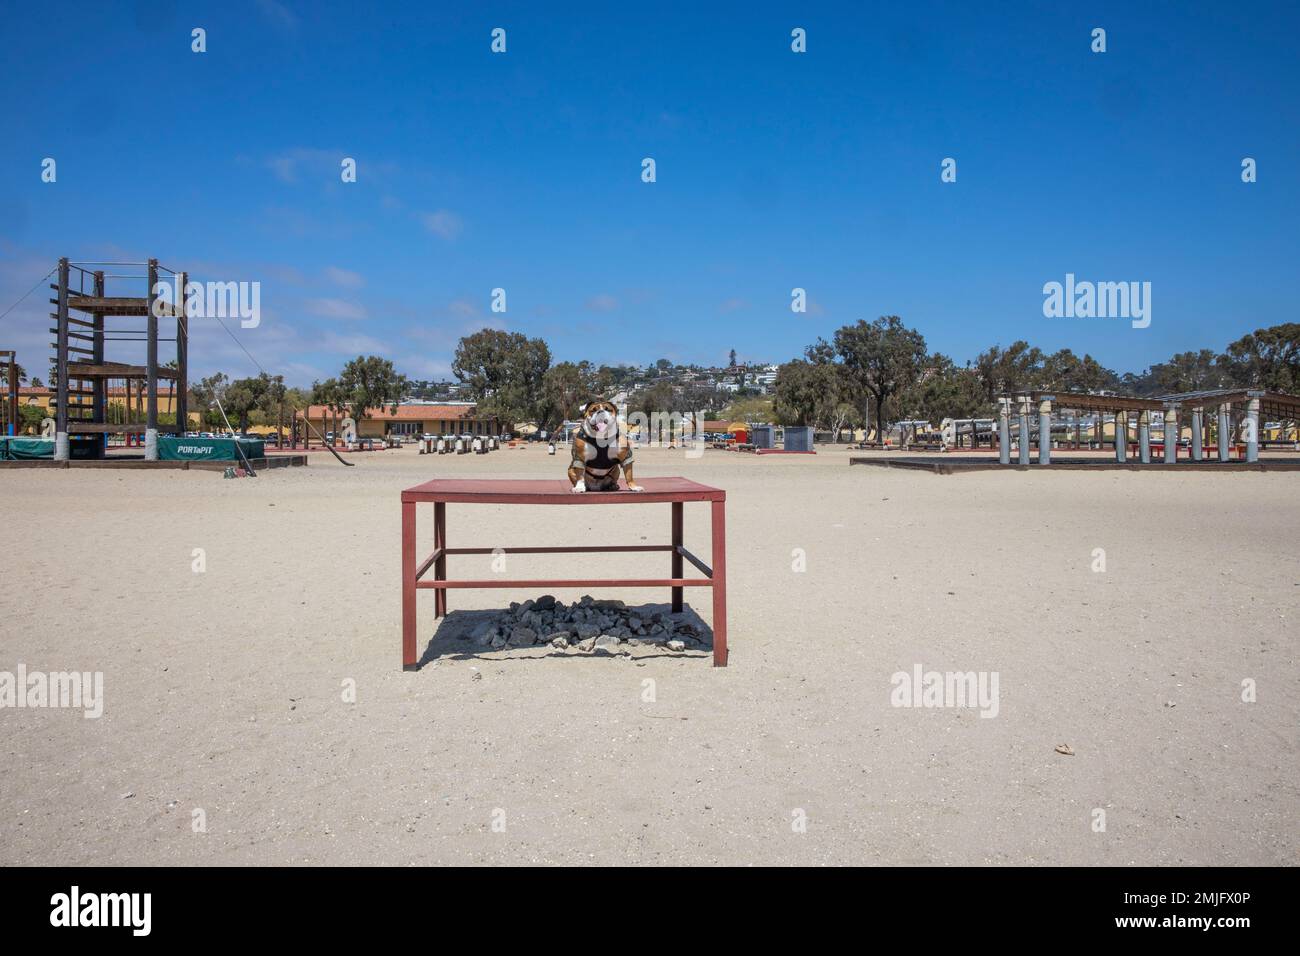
(408, 413)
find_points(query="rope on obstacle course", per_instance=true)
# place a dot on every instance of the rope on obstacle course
(305, 419)
(27, 293)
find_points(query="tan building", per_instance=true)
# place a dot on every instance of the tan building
(414, 418)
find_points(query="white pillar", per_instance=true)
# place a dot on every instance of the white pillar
(1045, 430)
(1144, 437)
(1171, 436)
(1121, 436)
(1024, 429)
(1225, 431)
(1252, 429)
(1198, 434)
(61, 447)
(1004, 431)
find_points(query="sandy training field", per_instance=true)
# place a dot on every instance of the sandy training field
(254, 709)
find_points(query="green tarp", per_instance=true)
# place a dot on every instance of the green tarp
(174, 448)
(20, 448)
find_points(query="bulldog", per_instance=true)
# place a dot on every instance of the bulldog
(600, 451)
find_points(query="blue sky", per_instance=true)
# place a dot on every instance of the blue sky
(775, 170)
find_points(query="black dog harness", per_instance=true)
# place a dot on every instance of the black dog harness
(606, 457)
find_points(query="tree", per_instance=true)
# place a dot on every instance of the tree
(754, 409)
(253, 400)
(1267, 358)
(731, 359)
(31, 416)
(813, 393)
(204, 395)
(656, 402)
(697, 397)
(880, 358)
(369, 382)
(1067, 372)
(1017, 369)
(565, 387)
(659, 397)
(946, 392)
(1189, 372)
(504, 373)
(331, 395)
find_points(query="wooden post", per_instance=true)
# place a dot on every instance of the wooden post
(182, 383)
(61, 368)
(409, 660)
(151, 368)
(11, 398)
(440, 566)
(719, 509)
(100, 398)
(677, 555)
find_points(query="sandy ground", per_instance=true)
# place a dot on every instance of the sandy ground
(226, 691)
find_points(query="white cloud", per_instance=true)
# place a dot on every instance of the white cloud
(442, 223)
(278, 14)
(424, 369)
(353, 344)
(602, 303)
(319, 164)
(344, 277)
(463, 308)
(334, 309)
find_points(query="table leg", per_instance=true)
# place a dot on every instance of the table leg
(719, 584)
(677, 556)
(440, 566)
(408, 586)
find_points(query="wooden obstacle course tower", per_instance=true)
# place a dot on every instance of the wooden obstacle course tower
(83, 371)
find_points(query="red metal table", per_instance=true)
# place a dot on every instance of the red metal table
(488, 491)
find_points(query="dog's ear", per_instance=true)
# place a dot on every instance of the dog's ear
(582, 409)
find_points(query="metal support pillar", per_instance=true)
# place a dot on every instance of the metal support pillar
(1045, 430)
(1225, 432)
(1004, 431)
(1023, 420)
(1252, 429)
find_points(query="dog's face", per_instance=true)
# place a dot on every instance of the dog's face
(600, 420)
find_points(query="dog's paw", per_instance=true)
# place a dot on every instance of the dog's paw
(635, 488)
(579, 488)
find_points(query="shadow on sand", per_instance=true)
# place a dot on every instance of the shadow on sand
(453, 640)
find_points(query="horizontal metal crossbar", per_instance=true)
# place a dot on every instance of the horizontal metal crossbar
(567, 549)
(577, 583)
